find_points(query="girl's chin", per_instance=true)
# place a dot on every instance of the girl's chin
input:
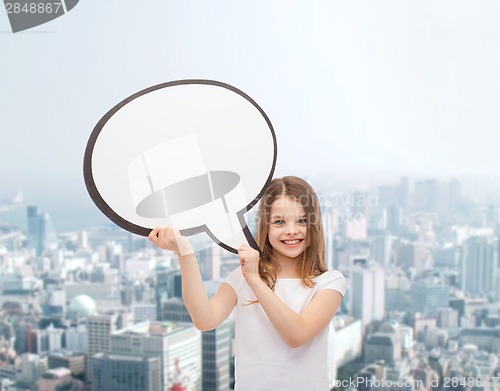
(290, 253)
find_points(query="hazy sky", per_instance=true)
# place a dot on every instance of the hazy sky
(353, 88)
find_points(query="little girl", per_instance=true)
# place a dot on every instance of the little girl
(284, 300)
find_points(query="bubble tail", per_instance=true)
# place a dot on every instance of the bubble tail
(233, 234)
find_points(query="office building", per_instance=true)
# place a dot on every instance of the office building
(54, 378)
(382, 346)
(99, 329)
(143, 312)
(74, 361)
(177, 345)
(479, 265)
(168, 285)
(411, 255)
(114, 372)
(41, 233)
(345, 342)
(381, 249)
(210, 263)
(215, 346)
(429, 295)
(32, 367)
(216, 357)
(367, 292)
(77, 338)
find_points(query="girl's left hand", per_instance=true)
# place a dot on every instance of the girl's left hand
(249, 259)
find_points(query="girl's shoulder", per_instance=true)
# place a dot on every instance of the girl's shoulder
(234, 278)
(331, 279)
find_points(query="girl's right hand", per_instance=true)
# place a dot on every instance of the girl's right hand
(169, 238)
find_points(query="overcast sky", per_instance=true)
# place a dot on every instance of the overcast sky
(353, 88)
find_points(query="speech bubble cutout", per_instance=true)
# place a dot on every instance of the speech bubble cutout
(192, 154)
(25, 14)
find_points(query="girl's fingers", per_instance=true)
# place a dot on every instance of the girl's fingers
(153, 235)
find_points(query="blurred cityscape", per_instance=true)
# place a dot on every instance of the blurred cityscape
(101, 309)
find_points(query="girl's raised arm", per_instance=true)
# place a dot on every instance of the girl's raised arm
(206, 313)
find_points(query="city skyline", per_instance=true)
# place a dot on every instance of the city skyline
(422, 268)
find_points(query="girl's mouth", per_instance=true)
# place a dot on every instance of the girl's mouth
(292, 242)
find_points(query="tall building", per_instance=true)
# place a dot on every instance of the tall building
(216, 346)
(40, 230)
(210, 262)
(403, 193)
(174, 310)
(100, 328)
(447, 255)
(447, 318)
(55, 337)
(330, 228)
(345, 342)
(77, 338)
(411, 255)
(32, 366)
(426, 195)
(385, 344)
(178, 347)
(382, 346)
(429, 295)
(394, 219)
(56, 302)
(168, 285)
(479, 265)
(216, 357)
(367, 291)
(381, 249)
(386, 196)
(114, 372)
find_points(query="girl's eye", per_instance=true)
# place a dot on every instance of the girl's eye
(303, 221)
(279, 222)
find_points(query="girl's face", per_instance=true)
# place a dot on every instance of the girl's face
(287, 228)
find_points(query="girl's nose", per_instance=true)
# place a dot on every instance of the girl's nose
(291, 229)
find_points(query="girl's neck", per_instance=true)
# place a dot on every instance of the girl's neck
(288, 268)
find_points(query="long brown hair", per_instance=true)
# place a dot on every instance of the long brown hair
(312, 261)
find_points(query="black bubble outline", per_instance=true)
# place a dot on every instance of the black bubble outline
(143, 231)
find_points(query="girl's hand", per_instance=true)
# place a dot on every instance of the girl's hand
(249, 259)
(169, 238)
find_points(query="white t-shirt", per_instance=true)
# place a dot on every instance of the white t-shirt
(263, 360)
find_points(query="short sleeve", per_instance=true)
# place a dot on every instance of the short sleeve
(333, 279)
(234, 279)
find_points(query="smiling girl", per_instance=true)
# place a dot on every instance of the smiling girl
(284, 300)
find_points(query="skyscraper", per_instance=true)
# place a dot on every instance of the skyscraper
(177, 346)
(168, 285)
(216, 356)
(100, 328)
(36, 230)
(368, 291)
(216, 346)
(479, 264)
